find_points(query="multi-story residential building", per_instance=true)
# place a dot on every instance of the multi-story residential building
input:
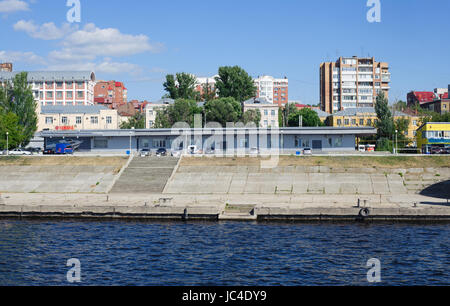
(205, 81)
(269, 111)
(367, 117)
(274, 90)
(433, 134)
(59, 87)
(7, 67)
(68, 118)
(110, 93)
(152, 108)
(352, 82)
(420, 97)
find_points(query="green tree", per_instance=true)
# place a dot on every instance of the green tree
(209, 92)
(385, 123)
(252, 115)
(309, 117)
(9, 122)
(235, 82)
(17, 98)
(181, 111)
(402, 126)
(181, 86)
(223, 110)
(137, 122)
(289, 109)
(400, 106)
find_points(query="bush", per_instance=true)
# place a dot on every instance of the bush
(384, 145)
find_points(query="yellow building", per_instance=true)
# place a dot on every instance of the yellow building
(433, 134)
(79, 117)
(367, 117)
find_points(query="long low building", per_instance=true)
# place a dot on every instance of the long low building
(285, 140)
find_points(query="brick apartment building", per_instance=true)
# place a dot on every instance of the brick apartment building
(205, 81)
(7, 67)
(437, 101)
(274, 90)
(352, 82)
(111, 94)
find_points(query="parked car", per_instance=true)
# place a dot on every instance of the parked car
(48, 152)
(19, 152)
(437, 150)
(34, 150)
(176, 154)
(145, 153)
(254, 151)
(307, 151)
(161, 152)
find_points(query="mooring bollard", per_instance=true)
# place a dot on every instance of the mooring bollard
(185, 214)
(359, 203)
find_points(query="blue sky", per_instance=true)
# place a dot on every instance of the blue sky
(142, 41)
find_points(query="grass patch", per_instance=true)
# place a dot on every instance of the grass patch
(116, 161)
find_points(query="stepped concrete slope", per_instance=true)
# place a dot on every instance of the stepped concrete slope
(59, 175)
(145, 175)
(208, 178)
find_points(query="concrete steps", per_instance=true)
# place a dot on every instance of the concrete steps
(145, 175)
(241, 212)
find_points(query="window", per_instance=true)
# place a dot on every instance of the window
(49, 95)
(369, 122)
(353, 121)
(100, 143)
(48, 120)
(108, 120)
(94, 120)
(69, 84)
(273, 112)
(59, 94)
(59, 84)
(159, 143)
(347, 122)
(78, 120)
(361, 121)
(338, 142)
(69, 95)
(266, 112)
(64, 120)
(298, 142)
(80, 94)
(339, 122)
(305, 144)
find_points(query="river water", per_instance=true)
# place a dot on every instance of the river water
(223, 253)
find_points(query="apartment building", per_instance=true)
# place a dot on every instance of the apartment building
(58, 87)
(352, 82)
(7, 67)
(152, 109)
(268, 110)
(367, 117)
(274, 90)
(436, 101)
(110, 93)
(205, 81)
(69, 118)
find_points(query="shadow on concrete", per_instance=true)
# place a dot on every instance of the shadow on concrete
(439, 191)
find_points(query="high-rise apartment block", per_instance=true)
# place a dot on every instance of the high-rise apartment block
(274, 90)
(352, 82)
(110, 93)
(6, 67)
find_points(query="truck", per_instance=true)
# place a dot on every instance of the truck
(63, 148)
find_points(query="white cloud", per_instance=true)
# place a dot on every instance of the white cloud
(92, 41)
(18, 56)
(105, 66)
(10, 6)
(47, 31)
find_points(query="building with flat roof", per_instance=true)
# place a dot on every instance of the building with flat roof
(275, 91)
(229, 140)
(69, 118)
(352, 82)
(151, 109)
(58, 87)
(268, 111)
(433, 134)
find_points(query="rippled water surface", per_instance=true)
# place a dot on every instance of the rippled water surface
(197, 253)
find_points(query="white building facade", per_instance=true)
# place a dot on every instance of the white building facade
(151, 111)
(59, 88)
(274, 90)
(269, 111)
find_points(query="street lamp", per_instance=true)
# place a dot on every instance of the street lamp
(7, 143)
(396, 146)
(131, 133)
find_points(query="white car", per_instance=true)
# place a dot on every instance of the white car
(176, 154)
(254, 151)
(19, 152)
(307, 151)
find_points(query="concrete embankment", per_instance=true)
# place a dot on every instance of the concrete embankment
(240, 189)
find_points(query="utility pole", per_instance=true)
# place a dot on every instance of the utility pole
(7, 143)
